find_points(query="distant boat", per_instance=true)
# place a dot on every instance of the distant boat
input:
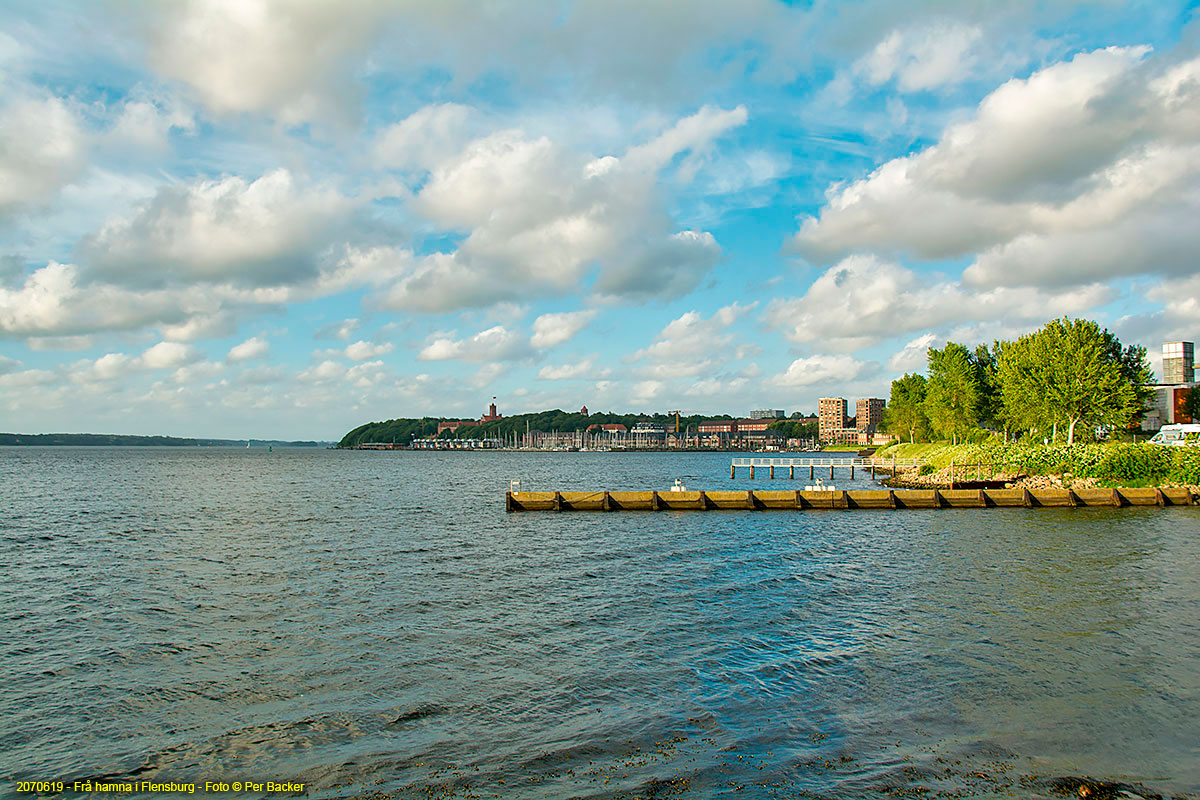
(248, 441)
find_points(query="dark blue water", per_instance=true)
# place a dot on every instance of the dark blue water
(375, 623)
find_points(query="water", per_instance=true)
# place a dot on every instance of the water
(374, 623)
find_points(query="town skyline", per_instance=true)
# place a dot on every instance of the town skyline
(270, 220)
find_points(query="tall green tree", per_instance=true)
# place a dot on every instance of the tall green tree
(954, 399)
(1023, 397)
(989, 383)
(1070, 372)
(1136, 368)
(905, 412)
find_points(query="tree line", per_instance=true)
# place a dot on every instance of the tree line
(1068, 375)
(797, 427)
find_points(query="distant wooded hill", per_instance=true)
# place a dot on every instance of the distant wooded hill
(120, 440)
(402, 431)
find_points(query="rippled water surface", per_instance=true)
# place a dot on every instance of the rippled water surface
(375, 623)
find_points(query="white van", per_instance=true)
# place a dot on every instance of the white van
(1183, 435)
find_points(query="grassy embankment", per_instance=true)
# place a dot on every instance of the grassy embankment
(1107, 464)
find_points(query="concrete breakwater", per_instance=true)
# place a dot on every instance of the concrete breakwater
(782, 500)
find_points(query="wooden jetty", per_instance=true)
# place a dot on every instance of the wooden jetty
(873, 465)
(783, 500)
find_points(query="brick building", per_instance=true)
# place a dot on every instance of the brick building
(868, 418)
(455, 424)
(831, 416)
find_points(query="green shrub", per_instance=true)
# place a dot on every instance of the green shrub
(1109, 462)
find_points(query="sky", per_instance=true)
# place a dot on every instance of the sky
(280, 219)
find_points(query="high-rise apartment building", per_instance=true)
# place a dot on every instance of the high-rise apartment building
(869, 415)
(1179, 362)
(831, 417)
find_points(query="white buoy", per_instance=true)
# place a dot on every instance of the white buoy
(678, 487)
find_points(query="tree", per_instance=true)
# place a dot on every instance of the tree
(1070, 371)
(1136, 369)
(1023, 403)
(954, 394)
(795, 428)
(905, 412)
(989, 383)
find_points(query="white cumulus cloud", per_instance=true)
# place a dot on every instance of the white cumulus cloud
(255, 347)
(361, 350)
(820, 369)
(494, 344)
(539, 218)
(167, 355)
(554, 329)
(264, 232)
(42, 148)
(923, 57)
(1083, 172)
(583, 369)
(863, 299)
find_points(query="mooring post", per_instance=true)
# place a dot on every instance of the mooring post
(750, 499)
(812, 471)
(1027, 498)
(508, 501)
(558, 504)
(792, 472)
(872, 471)
(771, 474)
(732, 475)
(937, 498)
(1159, 497)
(851, 472)
(606, 503)
(891, 498)
(1116, 498)
(655, 505)
(831, 472)
(751, 472)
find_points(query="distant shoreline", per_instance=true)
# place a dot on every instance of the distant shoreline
(124, 440)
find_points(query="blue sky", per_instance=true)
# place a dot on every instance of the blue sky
(279, 220)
